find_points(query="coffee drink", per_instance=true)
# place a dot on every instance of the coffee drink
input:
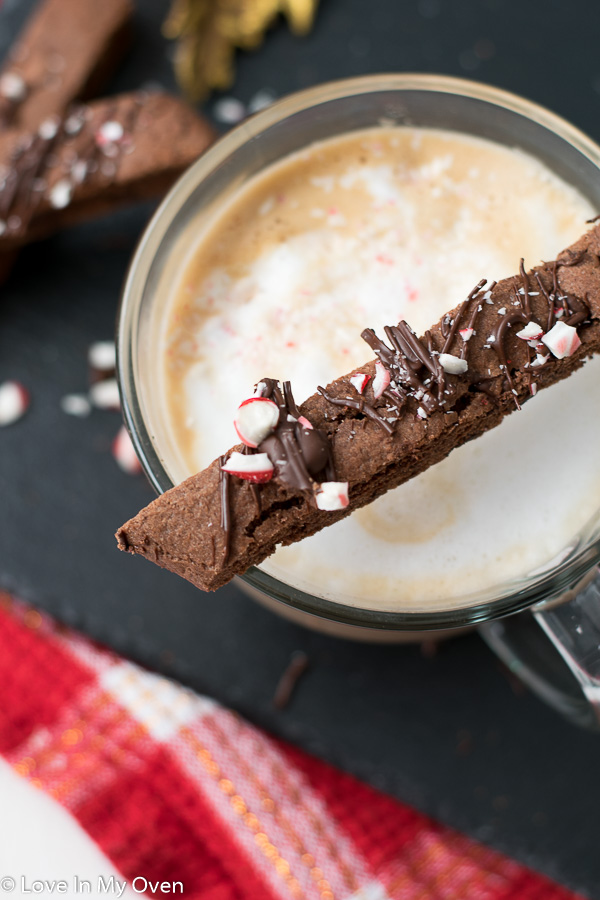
(360, 231)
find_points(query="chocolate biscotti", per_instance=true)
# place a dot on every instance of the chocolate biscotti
(67, 51)
(301, 469)
(91, 160)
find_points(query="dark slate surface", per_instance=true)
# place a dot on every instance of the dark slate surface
(450, 734)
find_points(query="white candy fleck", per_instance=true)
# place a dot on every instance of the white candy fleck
(421, 413)
(14, 401)
(76, 405)
(105, 394)
(332, 495)
(79, 171)
(13, 87)
(61, 193)
(531, 332)
(102, 356)
(453, 364)
(539, 360)
(49, 129)
(261, 100)
(229, 110)
(109, 133)
(502, 311)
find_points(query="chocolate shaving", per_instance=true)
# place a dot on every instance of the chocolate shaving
(225, 509)
(361, 406)
(288, 682)
(299, 454)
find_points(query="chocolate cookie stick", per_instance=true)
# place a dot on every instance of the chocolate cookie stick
(383, 423)
(120, 150)
(66, 52)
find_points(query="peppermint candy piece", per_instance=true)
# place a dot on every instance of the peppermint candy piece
(256, 468)
(453, 365)
(562, 340)
(332, 495)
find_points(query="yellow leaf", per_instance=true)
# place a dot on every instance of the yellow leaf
(209, 31)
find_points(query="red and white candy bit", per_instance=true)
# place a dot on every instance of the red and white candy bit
(256, 418)
(102, 357)
(332, 495)
(109, 133)
(254, 467)
(14, 402)
(381, 380)
(531, 332)
(453, 365)
(124, 453)
(359, 381)
(302, 420)
(562, 340)
(540, 360)
(466, 333)
(105, 394)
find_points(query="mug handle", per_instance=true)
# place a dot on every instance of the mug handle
(555, 649)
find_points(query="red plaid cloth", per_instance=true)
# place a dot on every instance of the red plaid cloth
(173, 787)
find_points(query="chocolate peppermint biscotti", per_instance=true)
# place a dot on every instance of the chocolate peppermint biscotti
(98, 156)
(66, 52)
(301, 469)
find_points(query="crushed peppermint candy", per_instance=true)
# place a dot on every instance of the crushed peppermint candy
(105, 394)
(454, 365)
(102, 356)
(49, 128)
(359, 381)
(109, 133)
(562, 340)
(255, 419)
(502, 311)
(13, 87)
(261, 100)
(76, 405)
(60, 195)
(381, 380)
(229, 110)
(256, 468)
(332, 496)
(14, 402)
(466, 333)
(124, 453)
(531, 332)
(540, 360)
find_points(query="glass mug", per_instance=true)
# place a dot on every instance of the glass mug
(562, 622)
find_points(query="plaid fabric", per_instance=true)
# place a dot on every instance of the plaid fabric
(173, 787)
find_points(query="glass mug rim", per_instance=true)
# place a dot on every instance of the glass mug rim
(511, 596)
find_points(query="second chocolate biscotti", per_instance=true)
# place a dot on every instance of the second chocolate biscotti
(378, 426)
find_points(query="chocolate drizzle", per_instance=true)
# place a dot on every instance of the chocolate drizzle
(414, 366)
(361, 406)
(37, 156)
(300, 454)
(449, 331)
(225, 510)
